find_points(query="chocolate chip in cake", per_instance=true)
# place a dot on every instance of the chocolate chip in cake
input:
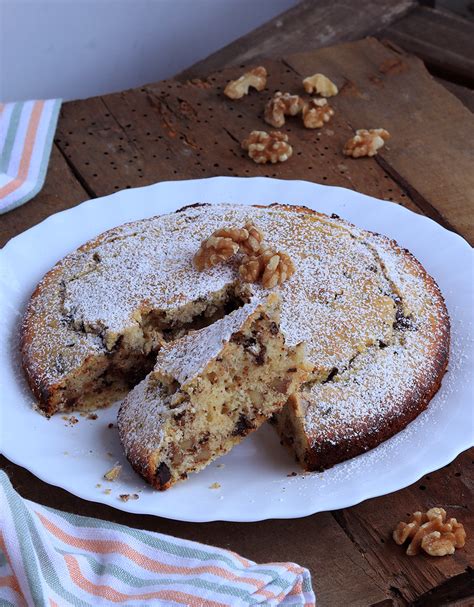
(243, 426)
(402, 322)
(178, 418)
(334, 371)
(273, 328)
(163, 474)
(251, 345)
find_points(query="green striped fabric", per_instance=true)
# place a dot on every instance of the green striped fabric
(50, 558)
(26, 136)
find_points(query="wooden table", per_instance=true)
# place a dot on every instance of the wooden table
(185, 128)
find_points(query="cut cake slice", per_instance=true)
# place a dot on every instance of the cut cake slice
(208, 390)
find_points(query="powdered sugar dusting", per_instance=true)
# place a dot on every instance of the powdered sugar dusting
(341, 301)
(185, 358)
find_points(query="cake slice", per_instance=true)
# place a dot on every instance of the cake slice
(208, 390)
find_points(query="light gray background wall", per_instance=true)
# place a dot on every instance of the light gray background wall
(78, 48)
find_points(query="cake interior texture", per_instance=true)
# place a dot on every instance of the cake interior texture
(129, 355)
(187, 420)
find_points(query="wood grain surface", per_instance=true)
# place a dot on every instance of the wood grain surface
(185, 128)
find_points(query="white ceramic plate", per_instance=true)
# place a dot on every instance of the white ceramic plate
(253, 480)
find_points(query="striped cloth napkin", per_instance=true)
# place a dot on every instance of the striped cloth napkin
(50, 558)
(26, 135)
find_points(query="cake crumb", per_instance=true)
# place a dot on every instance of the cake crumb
(107, 491)
(128, 496)
(220, 465)
(113, 473)
(71, 421)
(92, 416)
(110, 425)
(215, 486)
(292, 474)
(99, 485)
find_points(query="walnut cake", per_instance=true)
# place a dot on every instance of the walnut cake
(374, 322)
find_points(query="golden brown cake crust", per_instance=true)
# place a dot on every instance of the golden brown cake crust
(326, 447)
(342, 300)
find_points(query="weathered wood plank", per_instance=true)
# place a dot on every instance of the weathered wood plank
(371, 523)
(171, 130)
(443, 40)
(341, 576)
(462, 92)
(432, 147)
(61, 191)
(309, 25)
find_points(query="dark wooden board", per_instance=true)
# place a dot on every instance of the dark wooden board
(463, 93)
(443, 40)
(60, 191)
(431, 151)
(307, 26)
(172, 130)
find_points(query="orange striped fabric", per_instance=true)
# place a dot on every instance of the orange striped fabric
(52, 558)
(26, 135)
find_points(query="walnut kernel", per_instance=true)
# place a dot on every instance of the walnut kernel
(270, 267)
(320, 84)
(316, 112)
(257, 78)
(226, 242)
(265, 147)
(214, 250)
(366, 142)
(251, 244)
(431, 532)
(281, 105)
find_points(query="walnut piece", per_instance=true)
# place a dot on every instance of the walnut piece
(226, 242)
(257, 78)
(265, 147)
(316, 112)
(366, 142)
(430, 532)
(320, 84)
(270, 267)
(281, 105)
(113, 473)
(248, 238)
(214, 250)
(252, 242)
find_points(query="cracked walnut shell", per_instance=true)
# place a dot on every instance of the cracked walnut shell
(256, 78)
(265, 147)
(366, 142)
(270, 267)
(320, 84)
(431, 532)
(316, 112)
(281, 105)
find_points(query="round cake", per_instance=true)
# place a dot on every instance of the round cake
(375, 323)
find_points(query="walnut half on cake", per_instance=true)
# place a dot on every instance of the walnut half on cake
(208, 390)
